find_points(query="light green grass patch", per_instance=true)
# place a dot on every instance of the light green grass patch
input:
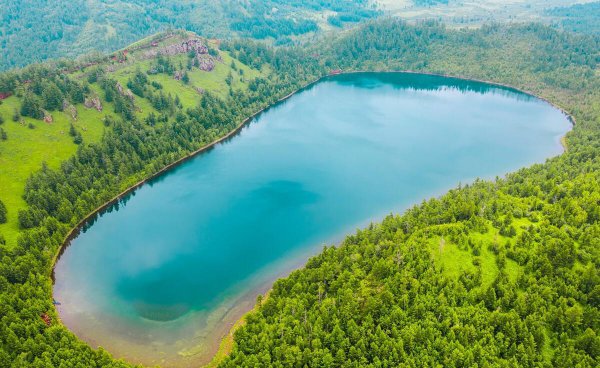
(454, 261)
(25, 150)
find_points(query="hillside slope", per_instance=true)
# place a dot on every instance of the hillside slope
(168, 73)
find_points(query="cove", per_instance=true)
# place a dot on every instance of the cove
(159, 277)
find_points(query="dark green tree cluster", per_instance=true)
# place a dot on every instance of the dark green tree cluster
(123, 103)
(163, 65)
(3, 213)
(77, 138)
(261, 28)
(138, 83)
(32, 106)
(344, 17)
(163, 102)
(46, 90)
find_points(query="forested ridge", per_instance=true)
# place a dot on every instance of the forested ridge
(501, 273)
(69, 28)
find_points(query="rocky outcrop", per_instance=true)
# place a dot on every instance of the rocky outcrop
(47, 117)
(93, 102)
(178, 75)
(204, 62)
(125, 92)
(46, 318)
(202, 59)
(196, 45)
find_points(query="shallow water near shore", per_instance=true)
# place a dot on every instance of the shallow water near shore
(160, 277)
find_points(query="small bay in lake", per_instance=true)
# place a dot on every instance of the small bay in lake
(159, 278)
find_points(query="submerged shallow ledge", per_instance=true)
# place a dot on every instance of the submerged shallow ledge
(133, 321)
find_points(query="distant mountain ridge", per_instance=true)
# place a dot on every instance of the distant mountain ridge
(33, 31)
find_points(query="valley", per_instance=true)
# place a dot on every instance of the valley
(477, 203)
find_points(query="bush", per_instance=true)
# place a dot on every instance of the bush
(3, 213)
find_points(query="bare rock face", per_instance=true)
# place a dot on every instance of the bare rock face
(195, 47)
(205, 62)
(193, 44)
(93, 102)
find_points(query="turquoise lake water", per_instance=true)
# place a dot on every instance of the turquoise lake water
(161, 277)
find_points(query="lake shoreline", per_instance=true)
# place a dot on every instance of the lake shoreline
(75, 231)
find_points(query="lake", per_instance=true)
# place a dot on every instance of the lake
(160, 277)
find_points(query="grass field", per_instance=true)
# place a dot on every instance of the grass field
(455, 261)
(26, 149)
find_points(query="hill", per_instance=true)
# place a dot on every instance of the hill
(53, 29)
(56, 108)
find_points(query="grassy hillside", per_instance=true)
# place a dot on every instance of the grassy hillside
(32, 142)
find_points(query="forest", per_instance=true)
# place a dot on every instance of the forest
(54, 29)
(385, 298)
(526, 291)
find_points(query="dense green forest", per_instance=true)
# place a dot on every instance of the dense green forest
(523, 288)
(51, 29)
